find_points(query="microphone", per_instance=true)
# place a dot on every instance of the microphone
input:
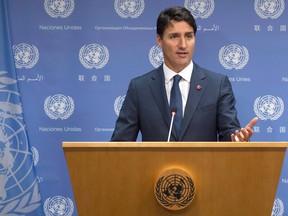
(173, 113)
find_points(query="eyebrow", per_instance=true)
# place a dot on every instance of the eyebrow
(191, 32)
(177, 33)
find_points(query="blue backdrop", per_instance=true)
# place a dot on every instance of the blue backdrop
(75, 59)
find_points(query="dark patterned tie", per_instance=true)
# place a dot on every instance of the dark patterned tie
(176, 103)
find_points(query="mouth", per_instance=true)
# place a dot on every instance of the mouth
(182, 54)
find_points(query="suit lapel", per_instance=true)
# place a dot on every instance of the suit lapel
(197, 88)
(157, 87)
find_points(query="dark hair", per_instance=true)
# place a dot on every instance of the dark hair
(177, 14)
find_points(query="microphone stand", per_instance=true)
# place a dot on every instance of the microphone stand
(171, 125)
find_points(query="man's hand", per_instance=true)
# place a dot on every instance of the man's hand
(245, 133)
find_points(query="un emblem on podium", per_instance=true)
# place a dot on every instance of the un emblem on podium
(174, 189)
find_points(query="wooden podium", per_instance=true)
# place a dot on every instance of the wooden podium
(110, 178)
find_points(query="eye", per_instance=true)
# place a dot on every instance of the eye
(190, 36)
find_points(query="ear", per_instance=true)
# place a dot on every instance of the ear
(159, 41)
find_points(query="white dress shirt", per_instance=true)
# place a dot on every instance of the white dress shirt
(184, 83)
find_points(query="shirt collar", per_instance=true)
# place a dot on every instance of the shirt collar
(186, 73)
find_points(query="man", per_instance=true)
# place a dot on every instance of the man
(206, 110)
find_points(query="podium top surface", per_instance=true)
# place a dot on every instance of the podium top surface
(67, 144)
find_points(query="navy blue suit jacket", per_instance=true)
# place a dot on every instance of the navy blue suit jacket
(210, 113)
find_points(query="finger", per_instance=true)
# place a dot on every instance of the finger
(250, 131)
(245, 134)
(233, 138)
(252, 122)
(239, 136)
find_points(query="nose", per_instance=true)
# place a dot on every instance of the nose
(182, 43)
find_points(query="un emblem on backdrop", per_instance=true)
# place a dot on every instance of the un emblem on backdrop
(268, 107)
(58, 206)
(59, 8)
(200, 8)
(16, 180)
(118, 104)
(269, 8)
(156, 56)
(278, 208)
(93, 56)
(233, 56)
(25, 55)
(59, 106)
(129, 8)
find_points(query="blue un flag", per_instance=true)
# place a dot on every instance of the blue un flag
(19, 192)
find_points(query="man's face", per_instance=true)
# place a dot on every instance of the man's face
(178, 44)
